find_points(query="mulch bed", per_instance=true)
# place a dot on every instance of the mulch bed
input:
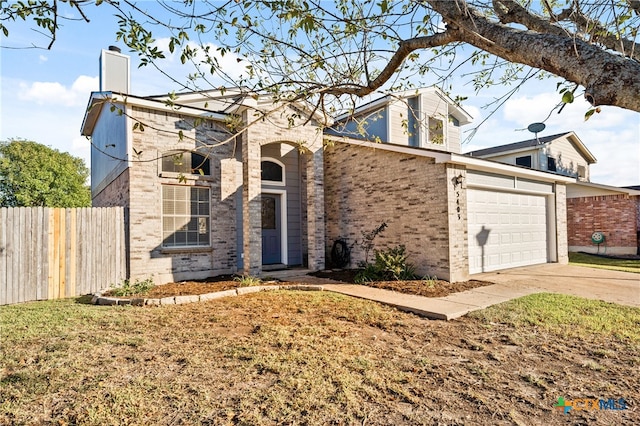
(435, 288)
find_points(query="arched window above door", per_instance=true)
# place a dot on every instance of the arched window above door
(273, 172)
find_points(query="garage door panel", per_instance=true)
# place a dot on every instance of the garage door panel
(506, 229)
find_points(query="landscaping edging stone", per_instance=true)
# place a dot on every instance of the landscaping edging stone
(99, 299)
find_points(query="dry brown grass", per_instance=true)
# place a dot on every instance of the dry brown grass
(297, 358)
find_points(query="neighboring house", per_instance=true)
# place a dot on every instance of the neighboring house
(201, 202)
(564, 154)
(611, 211)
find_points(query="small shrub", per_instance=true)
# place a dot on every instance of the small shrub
(430, 281)
(367, 274)
(367, 241)
(390, 265)
(247, 280)
(129, 289)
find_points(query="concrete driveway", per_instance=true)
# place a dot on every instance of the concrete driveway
(591, 283)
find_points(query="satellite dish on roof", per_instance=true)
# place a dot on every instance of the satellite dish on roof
(536, 128)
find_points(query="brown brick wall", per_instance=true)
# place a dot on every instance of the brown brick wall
(414, 196)
(614, 215)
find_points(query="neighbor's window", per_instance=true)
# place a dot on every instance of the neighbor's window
(551, 164)
(524, 161)
(582, 172)
(436, 131)
(185, 216)
(186, 163)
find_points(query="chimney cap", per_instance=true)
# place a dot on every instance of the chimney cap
(115, 49)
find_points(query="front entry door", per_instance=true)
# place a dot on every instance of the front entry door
(271, 230)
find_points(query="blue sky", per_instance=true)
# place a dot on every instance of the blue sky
(44, 94)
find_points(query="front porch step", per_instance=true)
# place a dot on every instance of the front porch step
(285, 273)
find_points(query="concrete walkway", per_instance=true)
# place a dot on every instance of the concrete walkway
(591, 283)
(611, 286)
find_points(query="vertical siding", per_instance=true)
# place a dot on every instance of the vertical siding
(56, 253)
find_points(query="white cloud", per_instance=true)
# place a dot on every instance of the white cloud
(43, 58)
(54, 93)
(148, 80)
(613, 136)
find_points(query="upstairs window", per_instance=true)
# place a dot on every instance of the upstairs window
(524, 161)
(436, 131)
(413, 121)
(551, 164)
(272, 172)
(186, 163)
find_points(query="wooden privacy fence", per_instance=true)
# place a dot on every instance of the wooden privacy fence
(48, 253)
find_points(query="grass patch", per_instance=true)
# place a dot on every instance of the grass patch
(624, 265)
(138, 287)
(308, 358)
(567, 315)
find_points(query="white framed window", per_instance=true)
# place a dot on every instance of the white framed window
(185, 216)
(272, 172)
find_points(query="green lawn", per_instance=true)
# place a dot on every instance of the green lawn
(625, 265)
(311, 358)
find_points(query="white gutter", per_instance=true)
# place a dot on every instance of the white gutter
(607, 187)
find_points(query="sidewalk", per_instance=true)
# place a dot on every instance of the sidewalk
(443, 308)
(611, 286)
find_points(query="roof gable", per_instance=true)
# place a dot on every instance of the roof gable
(537, 143)
(375, 105)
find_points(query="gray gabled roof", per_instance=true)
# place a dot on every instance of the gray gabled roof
(516, 146)
(532, 143)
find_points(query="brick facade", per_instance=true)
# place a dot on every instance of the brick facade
(616, 216)
(415, 197)
(234, 185)
(147, 256)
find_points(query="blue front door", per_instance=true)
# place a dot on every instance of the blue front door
(271, 230)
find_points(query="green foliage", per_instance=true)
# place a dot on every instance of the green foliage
(390, 265)
(430, 281)
(570, 316)
(247, 280)
(624, 265)
(33, 175)
(129, 289)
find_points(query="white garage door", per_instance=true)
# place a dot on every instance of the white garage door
(506, 230)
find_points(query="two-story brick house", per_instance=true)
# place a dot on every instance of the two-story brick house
(227, 181)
